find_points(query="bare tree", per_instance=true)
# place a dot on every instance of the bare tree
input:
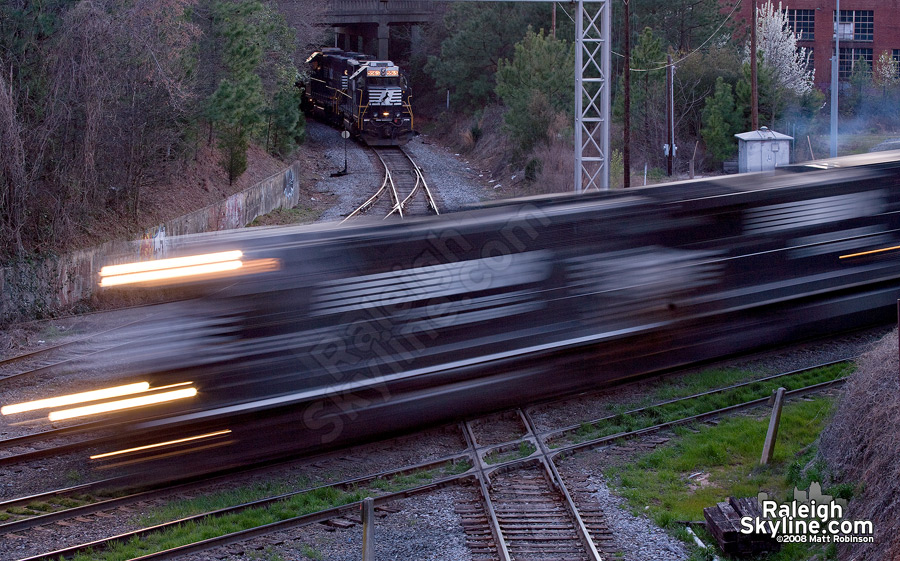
(307, 18)
(12, 170)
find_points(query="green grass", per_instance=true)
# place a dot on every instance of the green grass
(191, 532)
(401, 482)
(223, 499)
(524, 450)
(622, 422)
(21, 511)
(657, 483)
(458, 467)
(312, 553)
(296, 505)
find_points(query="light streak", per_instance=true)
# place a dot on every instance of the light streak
(872, 252)
(71, 399)
(142, 266)
(160, 444)
(122, 404)
(165, 274)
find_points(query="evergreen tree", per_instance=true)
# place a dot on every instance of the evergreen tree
(536, 86)
(683, 24)
(236, 107)
(479, 36)
(771, 102)
(648, 88)
(721, 120)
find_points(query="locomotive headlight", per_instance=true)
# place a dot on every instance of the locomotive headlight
(161, 269)
(178, 269)
(386, 113)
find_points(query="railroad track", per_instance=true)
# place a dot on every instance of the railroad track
(63, 354)
(403, 191)
(527, 508)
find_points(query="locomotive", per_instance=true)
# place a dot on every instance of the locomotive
(370, 98)
(314, 337)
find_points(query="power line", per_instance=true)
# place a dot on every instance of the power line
(690, 54)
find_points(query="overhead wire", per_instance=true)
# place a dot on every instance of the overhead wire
(663, 65)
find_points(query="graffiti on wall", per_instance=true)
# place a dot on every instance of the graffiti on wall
(234, 212)
(289, 184)
(154, 244)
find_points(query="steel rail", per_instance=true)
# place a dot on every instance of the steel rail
(420, 176)
(121, 538)
(108, 504)
(604, 440)
(570, 428)
(296, 522)
(415, 188)
(482, 477)
(547, 461)
(46, 350)
(393, 190)
(77, 357)
(371, 200)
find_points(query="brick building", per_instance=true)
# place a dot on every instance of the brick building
(867, 28)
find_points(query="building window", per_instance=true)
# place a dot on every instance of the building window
(802, 22)
(895, 54)
(856, 25)
(850, 57)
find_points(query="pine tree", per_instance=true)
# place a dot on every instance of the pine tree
(236, 107)
(721, 120)
(536, 86)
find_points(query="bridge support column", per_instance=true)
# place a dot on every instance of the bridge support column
(384, 36)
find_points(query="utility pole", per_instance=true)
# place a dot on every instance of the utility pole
(553, 22)
(626, 150)
(835, 64)
(670, 116)
(754, 91)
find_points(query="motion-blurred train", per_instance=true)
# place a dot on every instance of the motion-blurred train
(312, 337)
(370, 98)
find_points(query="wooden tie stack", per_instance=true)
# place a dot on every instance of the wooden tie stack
(724, 522)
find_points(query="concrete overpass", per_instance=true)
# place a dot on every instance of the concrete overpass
(364, 25)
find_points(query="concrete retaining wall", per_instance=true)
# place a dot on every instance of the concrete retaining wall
(34, 288)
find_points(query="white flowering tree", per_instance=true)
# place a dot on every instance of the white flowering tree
(778, 44)
(885, 73)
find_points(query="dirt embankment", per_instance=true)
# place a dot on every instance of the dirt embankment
(861, 448)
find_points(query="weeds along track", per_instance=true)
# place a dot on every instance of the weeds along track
(403, 191)
(528, 505)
